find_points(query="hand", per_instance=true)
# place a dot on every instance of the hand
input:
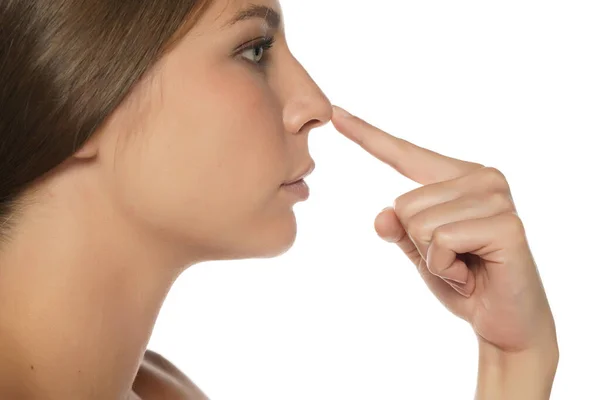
(462, 232)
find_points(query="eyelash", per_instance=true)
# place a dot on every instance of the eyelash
(265, 44)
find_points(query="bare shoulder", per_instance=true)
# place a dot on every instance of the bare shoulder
(159, 379)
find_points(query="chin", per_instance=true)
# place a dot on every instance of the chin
(278, 239)
(262, 238)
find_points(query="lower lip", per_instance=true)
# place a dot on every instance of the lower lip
(299, 189)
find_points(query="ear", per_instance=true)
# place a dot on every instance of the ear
(89, 149)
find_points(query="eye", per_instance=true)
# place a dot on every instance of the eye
(257, 52)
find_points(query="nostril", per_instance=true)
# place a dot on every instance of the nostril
(313, 123)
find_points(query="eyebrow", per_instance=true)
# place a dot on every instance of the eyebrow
(271, 16)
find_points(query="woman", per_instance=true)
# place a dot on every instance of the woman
(140, 138)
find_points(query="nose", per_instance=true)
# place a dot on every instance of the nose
(305, 105)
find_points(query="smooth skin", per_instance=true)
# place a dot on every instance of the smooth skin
(462, 232)
(188, 169)
(158, 188)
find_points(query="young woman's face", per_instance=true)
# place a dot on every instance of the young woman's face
(199, 151)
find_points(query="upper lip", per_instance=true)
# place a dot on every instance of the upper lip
(301, 175)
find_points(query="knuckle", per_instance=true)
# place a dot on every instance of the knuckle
(399, 203)
(402, 206)
(418, 230)
(441, 236)
(501, 201)
(514, 225)
(494, 178)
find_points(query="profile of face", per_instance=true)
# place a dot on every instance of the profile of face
(198, 152)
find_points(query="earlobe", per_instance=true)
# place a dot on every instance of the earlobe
(88, 150)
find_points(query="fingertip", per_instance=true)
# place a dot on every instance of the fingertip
(340, 112)
(339, 121)
(457, 272)
(386, 208)
(387, 226)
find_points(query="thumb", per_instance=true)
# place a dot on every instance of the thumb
(389, 228)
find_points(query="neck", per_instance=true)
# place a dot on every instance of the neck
(78, 301)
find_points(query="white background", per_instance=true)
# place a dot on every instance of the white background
(345, 316)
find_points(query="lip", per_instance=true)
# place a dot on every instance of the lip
(300, 176)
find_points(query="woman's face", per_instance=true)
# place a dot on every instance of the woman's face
(199, 151)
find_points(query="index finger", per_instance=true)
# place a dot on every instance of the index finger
(421, 165)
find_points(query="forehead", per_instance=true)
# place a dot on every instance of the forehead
(222, 14)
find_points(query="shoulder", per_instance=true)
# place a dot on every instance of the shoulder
(159, 363)
(158, 378)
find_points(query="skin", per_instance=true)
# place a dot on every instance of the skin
(188, 169)
(467, 208)
(173, 179)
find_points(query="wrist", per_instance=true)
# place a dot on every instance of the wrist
(526, 375)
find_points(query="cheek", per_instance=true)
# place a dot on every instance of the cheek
(213, 155)
(231, 129)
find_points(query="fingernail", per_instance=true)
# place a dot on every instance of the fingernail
(459, 288)
(343, 113)
(456, 272)
(452, 280)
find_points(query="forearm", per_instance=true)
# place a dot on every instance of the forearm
(516, 376)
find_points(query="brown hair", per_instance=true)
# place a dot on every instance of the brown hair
(65, 65)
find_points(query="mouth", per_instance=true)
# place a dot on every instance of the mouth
(301, 175)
